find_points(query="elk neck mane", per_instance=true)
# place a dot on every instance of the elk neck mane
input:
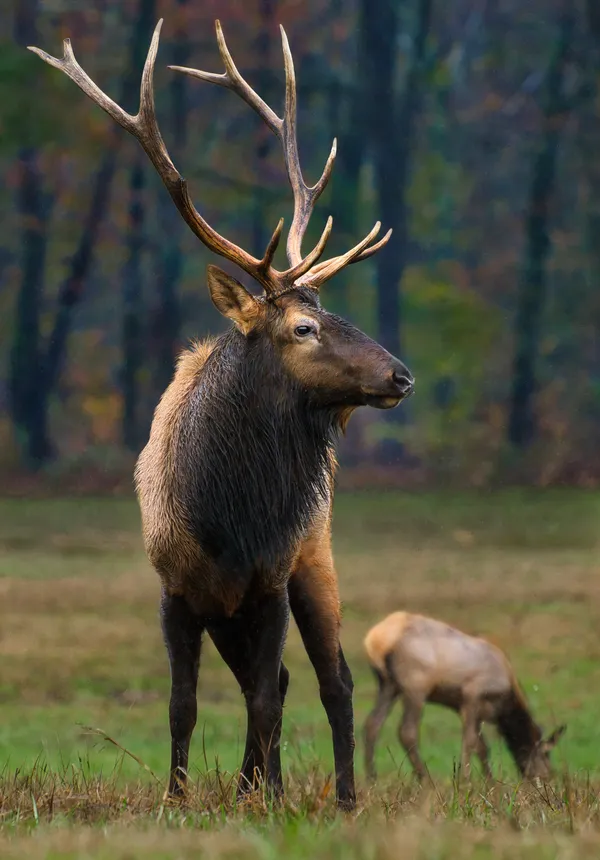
(254, 456)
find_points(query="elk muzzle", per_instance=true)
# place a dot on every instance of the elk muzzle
(399, 385)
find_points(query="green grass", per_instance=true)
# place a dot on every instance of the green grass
(80, 646)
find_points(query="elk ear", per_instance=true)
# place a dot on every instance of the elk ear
(554, 738)
(232, 299)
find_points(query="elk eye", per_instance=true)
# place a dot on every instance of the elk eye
(303, 330)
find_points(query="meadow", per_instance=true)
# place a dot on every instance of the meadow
(84, 687)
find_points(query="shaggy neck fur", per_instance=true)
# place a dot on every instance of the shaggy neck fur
(518, 729)
(254, 457)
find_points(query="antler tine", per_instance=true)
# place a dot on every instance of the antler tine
(232, 80)
(311, 258)
(69, 65)
(144, 128)
(368, 252)
(305, 196)
(272, 247)
(326, 270)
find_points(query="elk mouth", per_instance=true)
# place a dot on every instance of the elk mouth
(383, 401)
(392, 398)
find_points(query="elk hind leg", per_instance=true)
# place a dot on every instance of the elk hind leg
(251, 643)
(182, 631)
(233, 645)
(386, 696)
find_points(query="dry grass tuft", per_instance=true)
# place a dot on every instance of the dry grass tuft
(42, 795)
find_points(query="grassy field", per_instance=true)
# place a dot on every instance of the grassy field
(82, 660)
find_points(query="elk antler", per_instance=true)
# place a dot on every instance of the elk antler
(305, 196)
(144, 127)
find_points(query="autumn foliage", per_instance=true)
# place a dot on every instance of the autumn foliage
(470, 127)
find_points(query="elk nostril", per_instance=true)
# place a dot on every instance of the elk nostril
(404, 382)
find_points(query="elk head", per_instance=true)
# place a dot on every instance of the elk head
(538, 764)
(331, 359)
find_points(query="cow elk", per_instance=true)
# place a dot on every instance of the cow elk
(419, 660)
(236, 482)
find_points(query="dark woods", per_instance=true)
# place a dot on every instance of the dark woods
(470, 128)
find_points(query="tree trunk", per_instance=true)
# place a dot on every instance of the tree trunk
(593, 20)
(26, 361)
(348, 117)
(532, 291)
(380, 33)
(167, 323)
(33, 207)
(71, 290)
(132, 277)
(264, 50)
(131, 333)
(392, 127)
(590, 132)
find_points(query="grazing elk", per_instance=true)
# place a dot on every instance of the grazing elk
(236, 482)
(421, 660)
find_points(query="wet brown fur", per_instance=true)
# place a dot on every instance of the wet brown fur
(235, 488)
(235, 484)
(173, 550)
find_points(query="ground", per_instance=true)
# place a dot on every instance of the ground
(82, 662)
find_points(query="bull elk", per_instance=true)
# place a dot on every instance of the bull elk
(236, 482)
(419, 660)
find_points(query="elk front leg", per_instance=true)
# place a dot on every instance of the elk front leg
(483, 752)
(182, 631)
(409, 733)
(470, 737)
(315, 606)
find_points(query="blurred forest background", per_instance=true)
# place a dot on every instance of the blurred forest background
(470, 127)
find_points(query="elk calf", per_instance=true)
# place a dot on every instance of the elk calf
(419, 660)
